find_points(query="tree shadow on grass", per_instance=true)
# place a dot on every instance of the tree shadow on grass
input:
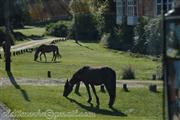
(96, 110)
(84, 46)
(48, 62)
(13, 81)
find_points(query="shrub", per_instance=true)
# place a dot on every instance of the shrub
(87, 20)
(120, 38)
(148, 38)
(128, 73)
(140, 45)
(19, 36)
(86, 27)
(59, 29)
(154, 37)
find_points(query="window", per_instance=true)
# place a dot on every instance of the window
(131, 8)
(119, 6)
(167, 6)
(119, 11)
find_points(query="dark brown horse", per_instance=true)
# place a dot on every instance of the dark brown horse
(94, 76)
(47, 49)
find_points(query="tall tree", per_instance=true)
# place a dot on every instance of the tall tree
(18, 12)
(12, 12)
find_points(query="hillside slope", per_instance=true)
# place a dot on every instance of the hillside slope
(75, 56)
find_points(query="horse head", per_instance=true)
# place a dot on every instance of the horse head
(68, 87)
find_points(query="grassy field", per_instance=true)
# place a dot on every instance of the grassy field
(138, 104)
(50, 102)
(75, 56)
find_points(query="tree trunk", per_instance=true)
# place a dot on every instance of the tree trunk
(7, 44)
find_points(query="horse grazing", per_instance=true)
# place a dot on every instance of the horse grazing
(94, 76)
(47, 49)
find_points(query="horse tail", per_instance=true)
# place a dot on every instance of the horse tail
(58, 53)
(111, 86)
(113, 94)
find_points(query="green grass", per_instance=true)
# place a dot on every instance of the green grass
(138, 104)
(75, 57)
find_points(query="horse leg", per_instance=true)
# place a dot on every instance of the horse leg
(112, 94)
(97, 98)
(89, 93)
(40, 57)
(77, 89)
(54, 56)
(45, 57)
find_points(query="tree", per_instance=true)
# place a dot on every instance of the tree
(153, 36)
(9, 17)
(109, 15)
(18, 13)
(86, 23)
(148, 37)
(140, 45)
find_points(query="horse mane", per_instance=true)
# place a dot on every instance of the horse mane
(80, 71)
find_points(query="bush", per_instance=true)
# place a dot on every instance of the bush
(154, 37)
(148, 38)
(128, 73)
(88, 21)
(120, 38)
(19, 36)
(59, 29)
(86, 27)
(140, 45)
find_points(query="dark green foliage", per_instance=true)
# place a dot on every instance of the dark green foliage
(128, 73)
(121, 38)
(59, 29)
(87, 27)
(109, 16)
(140, 44)
(19, 36)
(153, 35)
(148, 38)
(110, 21)
(18, 13)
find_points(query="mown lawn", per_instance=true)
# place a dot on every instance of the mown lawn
(75, 56)
(138, 104)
